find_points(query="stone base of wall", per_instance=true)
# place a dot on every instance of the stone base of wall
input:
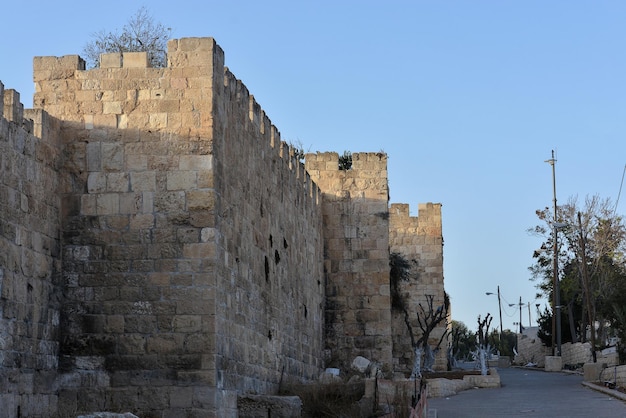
(504, 361)
(253, 406)
(601, 372)
(437, 387)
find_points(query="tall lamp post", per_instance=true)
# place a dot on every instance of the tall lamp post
(499, 306)
(556, 299)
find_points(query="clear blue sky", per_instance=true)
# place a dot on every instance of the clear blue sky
(467, 98)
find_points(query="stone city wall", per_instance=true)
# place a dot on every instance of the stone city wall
(580, 353)
(530, 349)
(270, 292)
(29, 254)
(192, 251)
(613, 374)
(420, 241)
(163, 252)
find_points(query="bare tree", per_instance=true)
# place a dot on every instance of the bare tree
(140, 34)
(428, 318)
(484, 349)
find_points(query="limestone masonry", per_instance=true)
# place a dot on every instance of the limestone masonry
(163, 252)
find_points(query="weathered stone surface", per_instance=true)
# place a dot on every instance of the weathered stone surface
(163, 250)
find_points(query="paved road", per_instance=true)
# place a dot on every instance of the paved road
(530, 393)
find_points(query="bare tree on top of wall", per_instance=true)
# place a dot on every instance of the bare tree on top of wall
(140, 34)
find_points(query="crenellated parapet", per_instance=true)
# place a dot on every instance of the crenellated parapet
(427, 222)
(195, 97)
(36, 131)
(29, 258)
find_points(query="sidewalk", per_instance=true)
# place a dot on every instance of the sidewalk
(530, 393)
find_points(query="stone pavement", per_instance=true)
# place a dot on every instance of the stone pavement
(530, 393)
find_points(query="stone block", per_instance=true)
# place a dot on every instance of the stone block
(117, 182)
(199, 250)
(200, 199)
(107, 203)
(143, 181)
(135, 60)
(111, 60)
(181, 180)
(553, 364)
(187, 323)
(592, 371)
(196, 162)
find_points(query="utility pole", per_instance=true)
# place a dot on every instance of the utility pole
(556, 299)
(500, 309)
(499, 306)
(521, 328)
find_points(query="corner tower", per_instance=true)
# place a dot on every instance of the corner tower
(356, 250)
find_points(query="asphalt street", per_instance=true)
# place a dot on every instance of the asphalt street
(530, 393)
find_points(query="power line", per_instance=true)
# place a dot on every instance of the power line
(620, 190)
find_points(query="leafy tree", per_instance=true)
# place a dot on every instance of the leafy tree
(591, 249)
(463, 340)
(140, 34)
(545, 327)
(503, 342)
(345, 161)
(399, 271)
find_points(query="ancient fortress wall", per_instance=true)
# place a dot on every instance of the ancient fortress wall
(420, 241)
(270, 297)
(356, 246)
(29, 259)
(192, 251)
(163, 252)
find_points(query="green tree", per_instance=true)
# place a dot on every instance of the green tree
(463, 340)
(591, 248)
(503, 342)
(345, 161)
(140, 34)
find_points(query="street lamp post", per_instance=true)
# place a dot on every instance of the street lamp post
(499, 306)
(521, 328)
(556, 299)
(519, 305)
